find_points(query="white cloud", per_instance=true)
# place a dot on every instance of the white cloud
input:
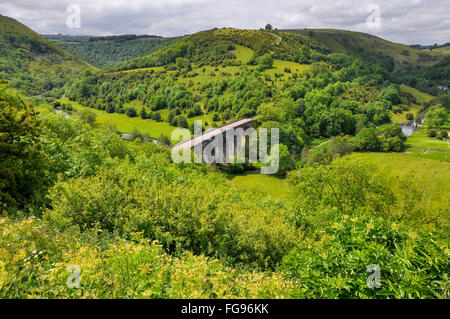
(402, 21)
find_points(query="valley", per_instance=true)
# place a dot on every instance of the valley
(87, 177)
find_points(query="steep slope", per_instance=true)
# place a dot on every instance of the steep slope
(371, 48)
(217, 45)
(32, 63)
(108, 51)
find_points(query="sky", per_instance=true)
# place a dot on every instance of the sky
(403, 21)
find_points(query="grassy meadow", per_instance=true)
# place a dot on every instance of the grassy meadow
(124, 123)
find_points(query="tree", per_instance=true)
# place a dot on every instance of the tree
(394, 130)
(410, 117)
(23, 166)
(285, 162)
(87, 116)
(143, 113)
(181, 122)
(131, 112)
(170, 117)
(367, 140)
(340, 146)
(164, 140)
(181, 63)
(157, 117)
(268, 27)
(437, 116)
(265, 61)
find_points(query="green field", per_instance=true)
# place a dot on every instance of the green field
(419, 138)
(434, 155)
(266, 184)
(243, 54)
(432, 175)
(126, 124)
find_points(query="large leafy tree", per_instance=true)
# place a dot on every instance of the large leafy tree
(22, 170)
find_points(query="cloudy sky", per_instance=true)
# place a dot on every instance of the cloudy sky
(404, 21)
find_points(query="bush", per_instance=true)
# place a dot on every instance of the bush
(432, 132)
(35, 261)
(88, 117)
(409, 117)
(131, 112)
(411, 265)
(155, 200)
(443, 134)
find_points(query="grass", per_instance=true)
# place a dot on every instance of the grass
(420, 96)
(401, 117)
(419, 138)
(126, 124)
(266, 184)
(243, 54)
(432, 175)
(445, 50)
(433, 155)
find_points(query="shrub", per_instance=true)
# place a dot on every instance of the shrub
(171, 209)
(432, 132)
(411, 265)
(131, 112)
(443, 134)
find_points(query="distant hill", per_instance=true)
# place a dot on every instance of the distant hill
(109, 50)
(371, 48)
(442, 47)
(32, 63)
(213, 46)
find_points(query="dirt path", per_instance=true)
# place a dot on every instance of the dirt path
(278, 38)
(204, 115)
(317, 146)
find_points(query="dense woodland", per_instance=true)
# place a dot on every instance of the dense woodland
(73, 192)
(109, 51)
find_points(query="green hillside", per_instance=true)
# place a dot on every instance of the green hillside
(288, 80)
(108, 51)
(371, 48)
(445, 49)
(351, 189)
(32, 63)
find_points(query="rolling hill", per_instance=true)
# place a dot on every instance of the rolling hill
(371, 48)
(32, 63)
(108, 51)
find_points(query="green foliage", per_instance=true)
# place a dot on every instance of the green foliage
(131, 112)
(88, 117)
(109, 51)
(265, 61)
(139, 225)
(334, 266)
(24, 169)
(437, 116)
(344, 185)
(367, 140)
(35, 261)
(31, 63)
